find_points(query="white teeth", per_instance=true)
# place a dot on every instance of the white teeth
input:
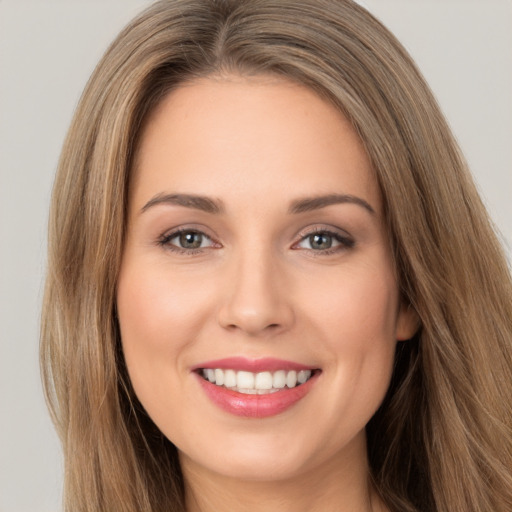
(245, 380)
(263, 380)
(303, 376)
(266, 391)
(230, 378)
(248, 391)
(291, 379)
(279, 379)
(256, 383)
(219, 377)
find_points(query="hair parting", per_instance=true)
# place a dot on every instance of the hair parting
(442, 439)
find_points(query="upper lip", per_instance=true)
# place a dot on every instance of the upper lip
(253, 365)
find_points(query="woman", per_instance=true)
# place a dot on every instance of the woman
(272, 283)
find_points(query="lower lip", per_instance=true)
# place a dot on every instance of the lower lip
(256, 406)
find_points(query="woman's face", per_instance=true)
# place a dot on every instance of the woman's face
(256, 257)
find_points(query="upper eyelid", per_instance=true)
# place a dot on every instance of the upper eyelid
(188, 228)
(164, 240)
(311, 230)
(302, 234)
(345, 238)
(174, 234)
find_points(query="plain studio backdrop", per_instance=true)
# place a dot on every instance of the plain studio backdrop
(48, 48)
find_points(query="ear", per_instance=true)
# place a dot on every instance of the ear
(407, 322)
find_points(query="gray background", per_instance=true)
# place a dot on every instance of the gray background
(48, 49)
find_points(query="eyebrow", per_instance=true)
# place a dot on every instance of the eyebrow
(213, 206)
(308, 204)
(202, 203)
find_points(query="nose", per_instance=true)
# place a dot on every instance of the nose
(257, 300)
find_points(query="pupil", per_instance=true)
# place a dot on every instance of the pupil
(320, 241)
(191, 240)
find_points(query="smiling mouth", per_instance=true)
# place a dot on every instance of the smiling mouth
(260, 383)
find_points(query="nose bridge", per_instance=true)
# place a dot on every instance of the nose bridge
(256, 301)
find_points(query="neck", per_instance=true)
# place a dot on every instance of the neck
(336, 486)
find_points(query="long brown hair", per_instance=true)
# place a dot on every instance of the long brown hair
(442, 439)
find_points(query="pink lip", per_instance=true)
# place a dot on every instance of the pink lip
(254, 406)
(269, 364)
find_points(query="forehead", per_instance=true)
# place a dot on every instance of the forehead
(232, 135)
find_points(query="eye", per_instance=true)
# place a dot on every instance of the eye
(324, 241)
(186, 240)
(318, 241)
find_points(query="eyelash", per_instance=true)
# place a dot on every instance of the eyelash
(165, 241)
(345, 241)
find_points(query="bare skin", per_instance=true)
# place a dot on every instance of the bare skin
(255, 230)
(326, 489)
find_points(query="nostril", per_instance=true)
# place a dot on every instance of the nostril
(270, 327)
(252, 314)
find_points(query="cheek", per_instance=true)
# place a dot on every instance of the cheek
(155, 309)
(356, 321)
(358, 306)
(142, 308)
(143, 334)
(156, 318)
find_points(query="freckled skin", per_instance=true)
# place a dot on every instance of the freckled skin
(257, 287)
